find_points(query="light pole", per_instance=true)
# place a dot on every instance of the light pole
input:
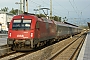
(50, 9)
(18, 8)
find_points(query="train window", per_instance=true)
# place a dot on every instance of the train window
(27, 25)
(37, 25)
(21, 24)
(17, 21)
(16, 25)
(26, 21)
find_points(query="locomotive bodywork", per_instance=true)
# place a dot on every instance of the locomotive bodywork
(28, 31)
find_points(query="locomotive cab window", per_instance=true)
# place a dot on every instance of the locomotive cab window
(21, 24)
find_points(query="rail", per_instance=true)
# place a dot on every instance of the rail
(77, 49)
(4, 49)
(62, 50)
(47, 53)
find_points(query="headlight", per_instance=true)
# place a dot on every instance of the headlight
(10, 34)
(31, 35)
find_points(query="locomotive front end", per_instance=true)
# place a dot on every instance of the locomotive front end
(21, 33)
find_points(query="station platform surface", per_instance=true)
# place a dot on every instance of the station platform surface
(3, 34)
(85, 51)
(3, 41)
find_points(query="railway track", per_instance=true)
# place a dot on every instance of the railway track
(66, 48)
(12, 56)
(71, 51)
(4, 49)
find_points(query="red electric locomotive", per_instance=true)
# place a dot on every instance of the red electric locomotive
(28, 31)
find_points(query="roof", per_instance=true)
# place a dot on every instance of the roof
(70, 24)
(2, 12)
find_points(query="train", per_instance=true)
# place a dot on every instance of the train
(27, 31)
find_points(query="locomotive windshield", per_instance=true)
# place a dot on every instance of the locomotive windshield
(21, 24)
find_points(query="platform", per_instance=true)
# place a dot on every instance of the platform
(85, 51)
(3, 41)
(3, 34)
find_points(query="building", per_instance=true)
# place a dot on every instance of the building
(5, 18)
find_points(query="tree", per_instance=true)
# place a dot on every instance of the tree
(65, 19)
(14, 11)
(57, 18)
(60, 19)
(5, 9)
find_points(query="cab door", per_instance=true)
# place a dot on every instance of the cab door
(37, 30)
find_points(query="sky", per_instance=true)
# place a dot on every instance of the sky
(76, 11)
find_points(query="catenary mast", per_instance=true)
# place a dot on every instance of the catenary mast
(50, 9)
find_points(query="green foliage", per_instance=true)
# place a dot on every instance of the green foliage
(14, 11)
(57, 18)
(65, 19)
(5, 9)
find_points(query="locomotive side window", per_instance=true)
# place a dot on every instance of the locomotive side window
(37, 25)
(21, 24)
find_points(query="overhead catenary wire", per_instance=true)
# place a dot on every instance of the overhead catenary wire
(73, 8)
(57, 11)
(61, 6)
(85, 7)
(35, 3)
(45, 3)
(79, 12)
